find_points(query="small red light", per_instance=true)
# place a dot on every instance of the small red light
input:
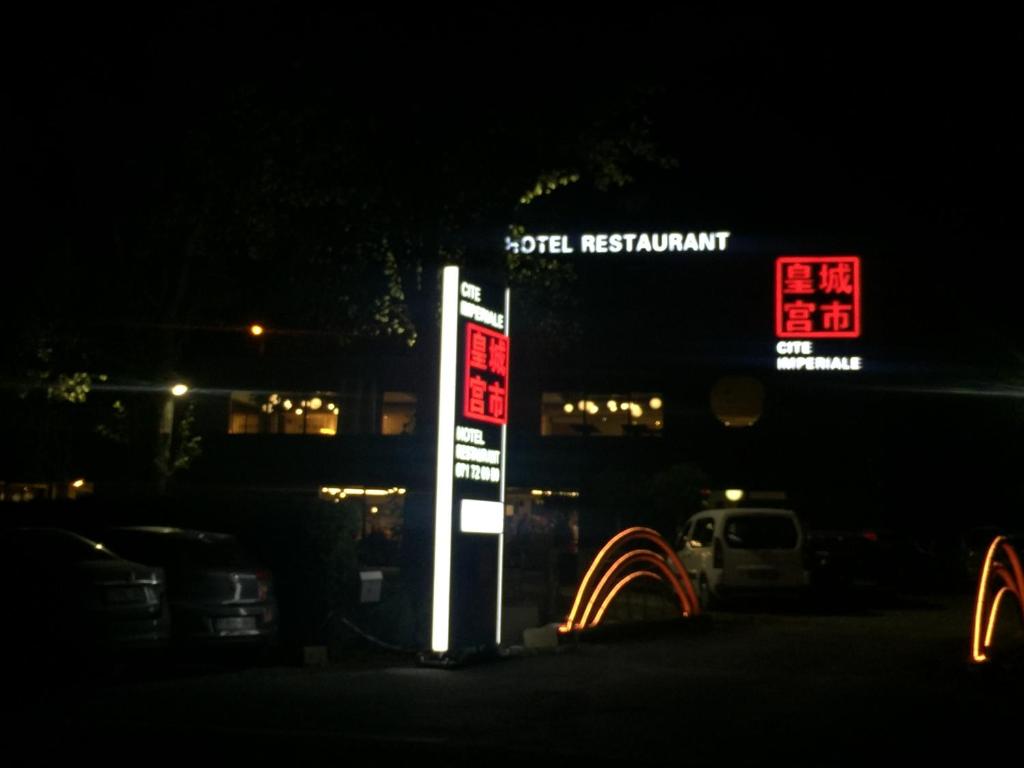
(870, 535)
(263, 582)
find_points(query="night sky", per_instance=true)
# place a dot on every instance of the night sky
(138, 134)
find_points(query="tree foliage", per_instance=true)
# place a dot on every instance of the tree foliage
(223, 170)
(196, 175)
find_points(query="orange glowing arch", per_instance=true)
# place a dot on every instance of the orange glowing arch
(618, 587)
(671, 571)
(1001, 561)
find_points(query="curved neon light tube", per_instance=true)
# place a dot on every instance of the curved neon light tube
(642, 554)
(1011, 586)
(1002, 572)
(1018, 573)
(617, 588)
(992, 616)
(684, 577)
(619, 538)
(590, 572)
(635, 532)
(670, 577)
(979, 605)
(646, 556)
(1013, 582)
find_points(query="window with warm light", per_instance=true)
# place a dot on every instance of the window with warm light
(283, 413)
(602, 415)
(398, 413)
(377, 515)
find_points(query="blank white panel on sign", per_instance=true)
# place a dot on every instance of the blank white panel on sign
(477, 516)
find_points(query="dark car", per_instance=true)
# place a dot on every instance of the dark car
(883, 560)
(73, 596)
(841, 560)
(218, 596)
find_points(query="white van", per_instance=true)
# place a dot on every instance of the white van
(743, 552)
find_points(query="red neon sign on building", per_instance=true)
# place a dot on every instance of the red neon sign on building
(817, 297)
(485, 377)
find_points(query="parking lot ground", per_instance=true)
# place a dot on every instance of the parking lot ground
(754, 687)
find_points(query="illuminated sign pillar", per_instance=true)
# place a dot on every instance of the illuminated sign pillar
(469, 504)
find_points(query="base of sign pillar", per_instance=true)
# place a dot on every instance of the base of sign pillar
(444, 660)
(459, 658)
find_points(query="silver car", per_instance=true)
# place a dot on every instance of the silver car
(744, 552)
(218, 596)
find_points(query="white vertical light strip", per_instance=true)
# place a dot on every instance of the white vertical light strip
(445, 459)
(501, 485)
(501, 557)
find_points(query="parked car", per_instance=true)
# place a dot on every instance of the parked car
(743, 552)
(847, 560)
(218, 595)
(68, 596)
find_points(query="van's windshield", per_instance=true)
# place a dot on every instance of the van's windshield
(760, 532)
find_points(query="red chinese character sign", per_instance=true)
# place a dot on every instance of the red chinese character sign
(817, 297)
(469, 507)
(485, 380)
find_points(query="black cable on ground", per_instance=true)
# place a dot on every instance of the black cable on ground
(368, 637)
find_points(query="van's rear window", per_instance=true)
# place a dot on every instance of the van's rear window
(760, 532)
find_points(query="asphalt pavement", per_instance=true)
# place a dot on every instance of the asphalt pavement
(749, 687)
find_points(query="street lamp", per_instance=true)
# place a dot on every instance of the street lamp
(258, 331)
(164, 434)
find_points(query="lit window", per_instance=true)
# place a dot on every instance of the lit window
(287, 413)
(375, 516)
(398, 414)
(614, 414)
